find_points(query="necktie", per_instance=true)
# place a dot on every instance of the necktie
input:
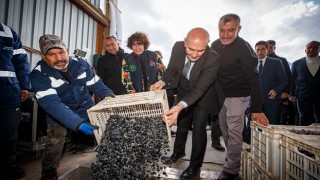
(260, 66)
(186, 68)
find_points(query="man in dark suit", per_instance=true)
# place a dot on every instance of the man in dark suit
(287, 109)
(192, 69)
(273, 80)
(305, 86)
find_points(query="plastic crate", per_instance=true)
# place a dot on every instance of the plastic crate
(302, 156)
(258, 173)
(265, 146)
(144, 104)
(245, 168)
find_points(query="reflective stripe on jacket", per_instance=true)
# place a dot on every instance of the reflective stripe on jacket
(67, 100)
(14, 68)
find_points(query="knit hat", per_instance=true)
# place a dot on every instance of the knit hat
(48, 41)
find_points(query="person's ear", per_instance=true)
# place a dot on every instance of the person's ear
(239, 28)
(42, 56)
(185, 42)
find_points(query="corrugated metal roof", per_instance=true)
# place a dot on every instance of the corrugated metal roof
(33, 18)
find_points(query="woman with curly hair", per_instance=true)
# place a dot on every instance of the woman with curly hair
(140, 68)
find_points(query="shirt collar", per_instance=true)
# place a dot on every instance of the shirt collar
(263, 60)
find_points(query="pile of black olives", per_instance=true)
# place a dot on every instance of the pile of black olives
(305, 132)
(131, 148)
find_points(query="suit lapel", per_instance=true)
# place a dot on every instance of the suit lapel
(196, 67)
(265, 66)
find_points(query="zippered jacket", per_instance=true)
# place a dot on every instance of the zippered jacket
(136, 68)
(14, 68)
(66, 100)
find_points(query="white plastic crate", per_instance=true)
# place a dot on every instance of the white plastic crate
(301, 155)
(245, 168)
(144, 104)
(258, 173)
(265, 146)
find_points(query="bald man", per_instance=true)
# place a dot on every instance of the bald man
(192, 69)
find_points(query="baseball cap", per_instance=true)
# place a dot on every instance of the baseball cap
(49, 41)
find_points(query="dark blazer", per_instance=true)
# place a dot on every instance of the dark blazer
(204, 90)
(286, 68)
(273, 76)
(304, 85)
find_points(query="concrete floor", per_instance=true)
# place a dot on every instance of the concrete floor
(212, 165)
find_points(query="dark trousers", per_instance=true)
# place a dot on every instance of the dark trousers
(9, 123)
(309, 111)
(197, 118)
(287, 112)
(215, 129)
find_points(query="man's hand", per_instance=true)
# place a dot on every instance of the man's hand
(272, 94)
(87, 128)
(260, 118)
(293, 98)
(172, 115)
(157, 86)
(24, 95)
(284, 95)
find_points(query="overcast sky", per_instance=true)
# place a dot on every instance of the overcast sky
(292, 23)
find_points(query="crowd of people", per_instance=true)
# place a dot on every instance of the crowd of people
(221, 83)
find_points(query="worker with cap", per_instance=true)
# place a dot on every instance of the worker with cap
(62, 85)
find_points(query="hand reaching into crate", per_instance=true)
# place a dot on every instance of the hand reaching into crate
(260, 118)
(157, 86)
(87, 128)
(172, 114)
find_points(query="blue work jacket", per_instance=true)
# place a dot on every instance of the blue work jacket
(14, 68)
(67, 100)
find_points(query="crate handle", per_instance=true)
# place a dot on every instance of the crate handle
(259, 129)
(305, 152)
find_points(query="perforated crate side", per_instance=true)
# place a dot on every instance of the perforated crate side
(144, 104)
(258, 173)
(265, 148)
(302, 156)
(265, 145)
(245, 169)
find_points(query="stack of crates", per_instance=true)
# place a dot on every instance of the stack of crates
(245, 168)
(301, 156)
(266, 155)
(144, 104)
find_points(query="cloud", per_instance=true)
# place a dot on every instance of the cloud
(292, 23)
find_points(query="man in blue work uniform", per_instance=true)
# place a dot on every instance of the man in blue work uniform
(14, 83)
(62, 85)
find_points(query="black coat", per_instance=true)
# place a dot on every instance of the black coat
(109, 69)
